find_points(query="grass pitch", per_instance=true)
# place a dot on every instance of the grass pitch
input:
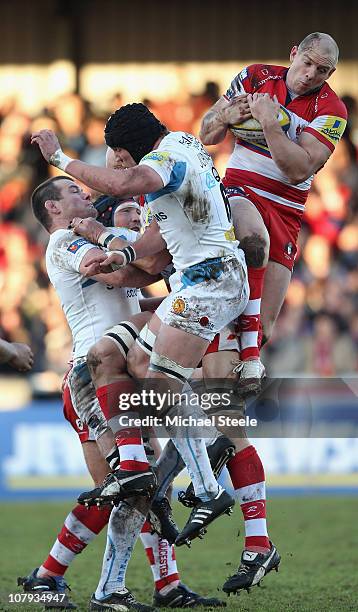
(317, 538)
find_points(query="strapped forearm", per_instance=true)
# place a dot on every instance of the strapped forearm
(214, 127)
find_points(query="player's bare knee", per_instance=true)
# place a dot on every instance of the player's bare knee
(256, 248)
(103, 359)
(137, 363)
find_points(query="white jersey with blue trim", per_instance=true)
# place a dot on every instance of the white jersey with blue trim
(90, 307)
(191, 209)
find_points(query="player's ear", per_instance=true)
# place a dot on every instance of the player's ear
(52, 206)
(293, 53)
(331, 72)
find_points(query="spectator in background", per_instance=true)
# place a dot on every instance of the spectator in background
(16, 355)
(329, 352)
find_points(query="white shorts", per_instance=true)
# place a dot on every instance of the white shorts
(207, 296)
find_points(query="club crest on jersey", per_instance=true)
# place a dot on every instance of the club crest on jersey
(74, 246)
(157, 156)
(178, 306)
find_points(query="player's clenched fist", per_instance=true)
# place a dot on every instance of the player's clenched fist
(237, 110)
(88, 228)
(47, 141)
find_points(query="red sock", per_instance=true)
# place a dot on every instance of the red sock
(80, 528)
(109, 396)
(249, 321)
(128, 439)
(248, 478)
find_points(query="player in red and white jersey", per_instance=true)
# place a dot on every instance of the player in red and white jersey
(268, 185)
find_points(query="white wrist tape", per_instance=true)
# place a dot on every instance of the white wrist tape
(105, 239)
(60, 160)
(118, 266)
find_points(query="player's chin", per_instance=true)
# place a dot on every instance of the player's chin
(91, 211)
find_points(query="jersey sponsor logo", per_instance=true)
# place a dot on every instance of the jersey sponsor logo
(132, 293)
(333, 128)
(160, 157)
(74, 246)
(230, 234)
(210, 181)
(160, 216)
(178, 306)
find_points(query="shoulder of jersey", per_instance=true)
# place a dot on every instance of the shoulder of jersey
(260, 72)
(330, 104)
(61, 234)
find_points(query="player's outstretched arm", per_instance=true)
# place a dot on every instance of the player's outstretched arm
(123, 183)
(19, 356)
(217, 120)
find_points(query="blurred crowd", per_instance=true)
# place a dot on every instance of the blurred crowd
(317, 331)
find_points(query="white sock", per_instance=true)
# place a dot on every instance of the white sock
(124, 527)
(191, 443)
(195, 457)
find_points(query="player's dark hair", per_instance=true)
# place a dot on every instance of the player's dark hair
(48, 190)
(106, 207)
(133, 128)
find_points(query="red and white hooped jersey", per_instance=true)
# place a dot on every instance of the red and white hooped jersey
(320, 113)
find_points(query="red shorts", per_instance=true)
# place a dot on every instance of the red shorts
(283, 224)
(71, 415)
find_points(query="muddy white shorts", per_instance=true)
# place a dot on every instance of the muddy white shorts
(207, 296)
(84, 401)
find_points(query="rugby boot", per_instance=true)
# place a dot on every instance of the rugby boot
(161, 520)
(120, 485)
(121, 601)
(253, 567)
(219, 454)
(204, 513)
(54, 587)
(182, 597)
(250, 376)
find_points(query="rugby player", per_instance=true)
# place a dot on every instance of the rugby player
(246, 470)
(268, 184)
